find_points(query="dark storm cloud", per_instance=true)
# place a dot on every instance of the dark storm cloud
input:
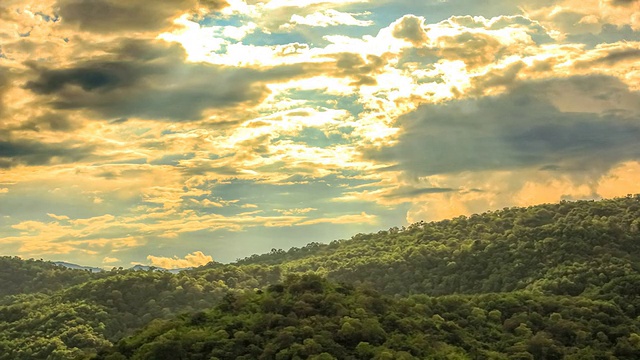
(623, 2)
(151, 80)
(99, 76)
(29, 152)
(103, 16)
(617, 56)
(613, 57)
(49, 121)
(609, 34)
(523, 128)
(4, 86)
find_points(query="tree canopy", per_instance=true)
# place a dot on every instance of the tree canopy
(545, 282)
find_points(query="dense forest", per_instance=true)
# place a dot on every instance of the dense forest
(554, 281)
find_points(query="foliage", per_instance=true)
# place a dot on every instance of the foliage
(544, 282)
(19, 276)
(566, 248)
(307, 317)
(76, 322)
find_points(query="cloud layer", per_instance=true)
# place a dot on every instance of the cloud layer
(132, 131)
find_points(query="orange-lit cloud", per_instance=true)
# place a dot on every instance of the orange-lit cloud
(195, 259)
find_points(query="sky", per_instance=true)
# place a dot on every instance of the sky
(174, 133)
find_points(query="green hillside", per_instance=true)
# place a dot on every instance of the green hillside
(19, 276)
(310, 318)
(545, 282)
(565, 248)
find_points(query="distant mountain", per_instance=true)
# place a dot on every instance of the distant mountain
(78, 267)
(145, 268)
(134, 268)
(155, 268)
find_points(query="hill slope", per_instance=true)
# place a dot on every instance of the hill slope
(310, 318)
(545, 258)
(564, 248)
(19, 276)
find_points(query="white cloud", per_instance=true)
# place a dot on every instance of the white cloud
(295, 211)
(326, 18)
(274, 4)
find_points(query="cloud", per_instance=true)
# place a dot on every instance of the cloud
(362, 71)
(97, 76)
(342, 219)
(478, 41)
(195, 259)
(616, 56)
(410, 28)
(49, 121)
(621, 180)
(4, 85)
(475, 49)
(274, 4)
(612, 56)
(58, 217)
(559, 122)
(571, 17)
(329, 17)
(523, 187)
(286, 15)
(110, 260)
(296, 211)
(123, 16)
(623, 2)
(31, 152)
(90, 236)
(150, 80)
(159, 125)
(413, 192)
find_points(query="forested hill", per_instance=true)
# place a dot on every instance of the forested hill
(309, 318)
(564, 248)
(19, 276)
(559, 277)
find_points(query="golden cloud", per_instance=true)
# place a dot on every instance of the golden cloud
(195, 259)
